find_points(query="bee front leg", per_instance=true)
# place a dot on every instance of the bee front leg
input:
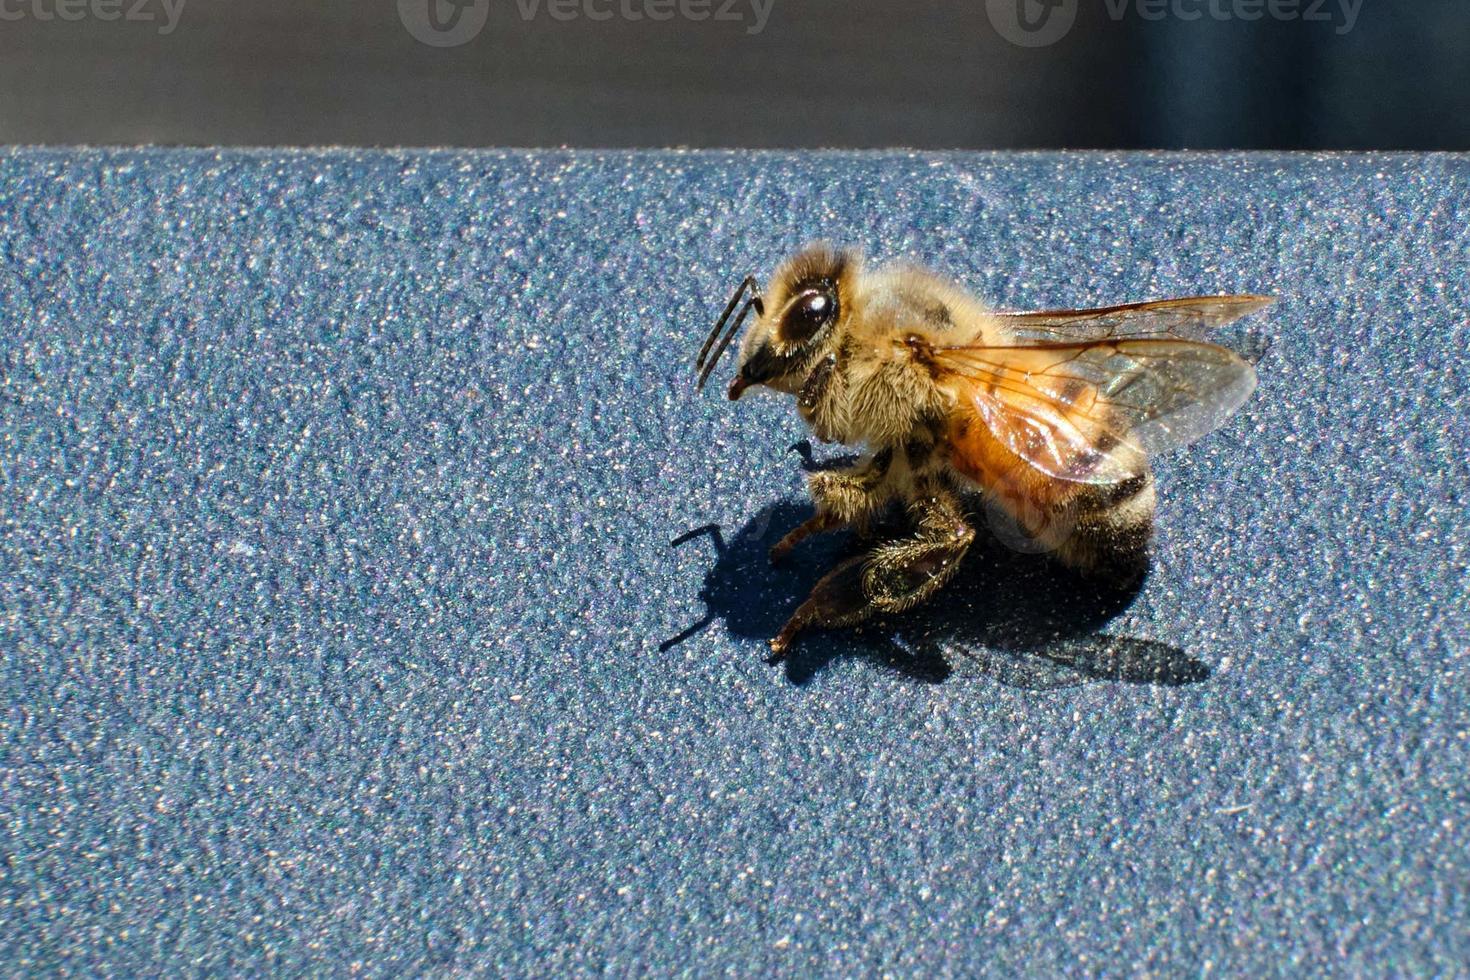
(823, 521)
(842, 498)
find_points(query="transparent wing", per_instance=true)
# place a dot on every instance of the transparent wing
(1091, 412)
(1191, 318)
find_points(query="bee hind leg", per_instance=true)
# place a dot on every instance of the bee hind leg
(902, 574)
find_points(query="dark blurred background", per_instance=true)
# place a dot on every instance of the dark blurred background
(1291, 74)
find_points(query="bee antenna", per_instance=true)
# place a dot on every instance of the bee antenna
(754, 301)
(706, 367)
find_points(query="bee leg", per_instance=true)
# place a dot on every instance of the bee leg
(824, 521)
(904, 573)
(893, 577)
(842, 498)
(837, 600)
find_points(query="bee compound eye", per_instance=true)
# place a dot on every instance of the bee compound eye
(811, 311)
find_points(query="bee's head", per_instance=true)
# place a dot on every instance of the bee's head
(796, 321)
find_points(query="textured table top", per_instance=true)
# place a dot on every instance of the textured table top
(341, 621)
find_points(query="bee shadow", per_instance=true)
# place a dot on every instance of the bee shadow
(1019, 619)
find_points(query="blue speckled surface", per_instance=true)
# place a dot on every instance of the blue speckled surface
(336, 585)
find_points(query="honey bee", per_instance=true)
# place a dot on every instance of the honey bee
(1047, 418)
